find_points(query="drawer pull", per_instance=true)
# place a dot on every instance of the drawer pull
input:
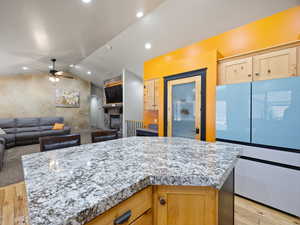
(122, 219)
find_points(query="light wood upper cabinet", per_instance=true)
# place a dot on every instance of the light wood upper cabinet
(236, 71)
(277, 64)
(151, 94)
(185, 206)
(272, 63)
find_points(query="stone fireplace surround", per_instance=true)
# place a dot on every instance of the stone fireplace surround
(112, 111)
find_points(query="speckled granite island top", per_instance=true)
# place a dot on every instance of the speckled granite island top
(75, 185)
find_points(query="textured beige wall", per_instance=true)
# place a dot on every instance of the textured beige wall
(34, 96)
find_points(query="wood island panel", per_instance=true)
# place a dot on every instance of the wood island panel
(185, 205)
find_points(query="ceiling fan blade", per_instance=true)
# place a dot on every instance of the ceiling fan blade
(68, 77)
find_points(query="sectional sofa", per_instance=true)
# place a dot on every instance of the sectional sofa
(24, 131)
(2, 143)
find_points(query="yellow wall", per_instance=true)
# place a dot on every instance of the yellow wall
(274, 30)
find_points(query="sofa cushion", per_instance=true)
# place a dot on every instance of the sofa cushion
(10, 130)
(7, 123)
(42, 128)
(27, 122)
(2, 131)
(1, 155)
(2, 140)
(9, 138)
(52, 133)
(27, 129)
(27, 136)
(47, 121)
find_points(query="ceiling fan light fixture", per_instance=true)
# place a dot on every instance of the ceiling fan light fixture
(54, 79)
(59, 73)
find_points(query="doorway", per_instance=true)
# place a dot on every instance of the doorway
(185, 105)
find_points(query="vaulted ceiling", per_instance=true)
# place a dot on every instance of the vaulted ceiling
(33, 31)
(105, 36)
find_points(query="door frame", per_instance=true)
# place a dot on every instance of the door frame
(202, 74)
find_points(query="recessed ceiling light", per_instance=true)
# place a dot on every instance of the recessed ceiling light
(59, 73)
(140, 14)
(86, 1)
(25, 68)
(71, 65)
(89, 72)
(109, 47)
(148, 46)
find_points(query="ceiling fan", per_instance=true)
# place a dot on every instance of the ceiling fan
(55, 75)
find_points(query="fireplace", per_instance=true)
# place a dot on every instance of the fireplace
(115, 122)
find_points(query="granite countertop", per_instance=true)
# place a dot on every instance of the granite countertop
(74, 185)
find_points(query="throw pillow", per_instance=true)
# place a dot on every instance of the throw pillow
(2, 131)
(58, 126)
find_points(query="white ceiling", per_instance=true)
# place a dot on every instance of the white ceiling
(174, 24)
(33, 31)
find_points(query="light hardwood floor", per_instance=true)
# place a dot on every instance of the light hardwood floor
(13, 205)
(13, 210)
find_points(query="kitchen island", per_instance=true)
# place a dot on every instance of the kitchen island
(100, 181)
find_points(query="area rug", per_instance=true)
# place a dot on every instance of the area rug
(12, 171)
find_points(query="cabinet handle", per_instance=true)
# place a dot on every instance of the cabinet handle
(162, 201)
(269, 71)
(257, 74)
(122, 219)
(249, 75)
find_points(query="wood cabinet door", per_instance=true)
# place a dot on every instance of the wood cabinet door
(278, 64)
(149, 94)
(236, 71)
(175, 205)
(156, 94)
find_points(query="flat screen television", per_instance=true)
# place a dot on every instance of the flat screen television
(114, 94)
